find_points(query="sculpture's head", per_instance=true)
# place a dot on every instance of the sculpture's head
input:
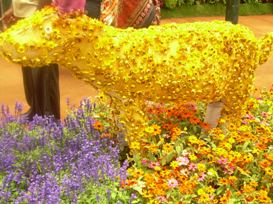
(43, 37)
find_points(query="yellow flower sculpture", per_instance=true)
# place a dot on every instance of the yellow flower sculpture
(172, 63)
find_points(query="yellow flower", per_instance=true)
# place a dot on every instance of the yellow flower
(174, 164)
(193, 139)
(192, 157)
(255, 151)
(136, 173)
(221, 152)
(228, 146)
(149, 129)
(269, 171)
(152, 148)
(210, 189)
(201, 167)
(221, 137)
(156, 129)
(135, 145)
(201, 191)
(231, 140)
(167, 147)
(212, 172)
(253, 184)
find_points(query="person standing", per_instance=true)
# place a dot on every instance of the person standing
(137, 14)
(41, 84)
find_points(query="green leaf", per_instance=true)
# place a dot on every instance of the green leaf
(168, 158)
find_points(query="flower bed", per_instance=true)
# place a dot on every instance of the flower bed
(47, 162)
(178, 159)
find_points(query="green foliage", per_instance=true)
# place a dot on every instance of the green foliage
(171, 4)
(191, 9)
(106, 193)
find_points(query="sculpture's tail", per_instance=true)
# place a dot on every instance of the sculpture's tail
(265, 45)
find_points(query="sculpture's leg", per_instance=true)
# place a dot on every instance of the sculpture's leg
(213, 113)
(130, 117)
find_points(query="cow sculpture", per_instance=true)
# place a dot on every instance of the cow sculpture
(171, 63)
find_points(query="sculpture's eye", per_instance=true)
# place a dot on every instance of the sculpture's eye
(48, 29)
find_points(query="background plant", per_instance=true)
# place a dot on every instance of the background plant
(171, 4)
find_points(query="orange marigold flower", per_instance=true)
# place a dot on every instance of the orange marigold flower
(225, 198)
(248, 189)
(106, 135)
(186, 115)
(175, 132)
(261, 146)
(170, 112)
(194, 121)
(265, 163)
(98, 126)
(152, 148)
(224, 181)
(253, 183)
(167, 126)
(205, 126)
(204, 151)
(269, 156)
(263, 197)
(249, 198)
(232, 180)
(168, 147)
(187, 187)
(157, 129)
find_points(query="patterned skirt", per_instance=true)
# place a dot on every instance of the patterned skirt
(130, 13)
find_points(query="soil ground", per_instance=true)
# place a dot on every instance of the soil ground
(11, 85)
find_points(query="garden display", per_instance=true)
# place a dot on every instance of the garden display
(156, 83)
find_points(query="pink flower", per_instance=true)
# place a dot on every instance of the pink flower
(144, 161)
(183, 161)
(230, 169)
(152, 165)
(192, 167)
(250, 116)
(222, 160)
(172, 183)
(162, 199)
(202, 177)
(245, 122)
(264, 114)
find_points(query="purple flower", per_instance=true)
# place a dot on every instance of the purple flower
(55, 159)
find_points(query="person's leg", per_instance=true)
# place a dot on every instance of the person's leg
(47, 94)
(93, 8)
(28, 89)
(53, 106)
